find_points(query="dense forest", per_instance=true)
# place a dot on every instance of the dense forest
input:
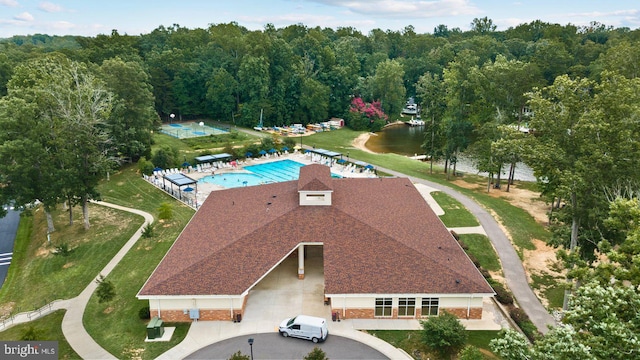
(563, 99)
(476, 88)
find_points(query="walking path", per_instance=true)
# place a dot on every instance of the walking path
(511, 264)
(72, 326)
(80, 340)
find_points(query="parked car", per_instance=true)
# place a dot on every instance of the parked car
(305, 327)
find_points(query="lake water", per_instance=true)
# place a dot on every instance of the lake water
(407, 140)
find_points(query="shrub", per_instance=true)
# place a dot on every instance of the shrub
(147, 232)
(144, 313)
(145, 166)
(105, 291)
(518, 315)
(63, 250)
(32, 334)
(316, 354)
(524, 323)
(165, 211)
(530, 330)
(485, 273)
(471, 352)
(239, 356)
(502, 295)
(444, 334)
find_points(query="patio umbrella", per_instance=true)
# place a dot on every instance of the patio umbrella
(369, 166)
(284, 148)
(341, 161)
(272, 150)
(185, 164)
(157, 169)
(306, 151)
(248, 154)
(187, 189)
(262, 152)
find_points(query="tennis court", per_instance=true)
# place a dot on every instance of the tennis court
(190, 130)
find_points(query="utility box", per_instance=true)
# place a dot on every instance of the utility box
(155, 328)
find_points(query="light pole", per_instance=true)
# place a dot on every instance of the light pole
(251, 346)
(171, 118)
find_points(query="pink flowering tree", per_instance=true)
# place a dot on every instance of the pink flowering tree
(366, 116)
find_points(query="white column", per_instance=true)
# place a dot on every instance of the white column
(301, 262)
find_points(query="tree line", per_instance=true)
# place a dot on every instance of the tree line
(561, 98)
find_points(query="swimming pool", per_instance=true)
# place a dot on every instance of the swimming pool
(276, 171)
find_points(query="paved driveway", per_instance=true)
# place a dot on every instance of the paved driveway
(8, 228)
(274, 346)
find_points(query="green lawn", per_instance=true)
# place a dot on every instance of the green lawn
(409, 340)
(38, 276)
(455, 215)
(128, 189)
(521, 226)
(551, 288)
(116, 325)
(190, 148)
(48, 329)
(480, 247)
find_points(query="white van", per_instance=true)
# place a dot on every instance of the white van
(305, 327)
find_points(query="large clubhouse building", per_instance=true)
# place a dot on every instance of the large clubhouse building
(385, 252)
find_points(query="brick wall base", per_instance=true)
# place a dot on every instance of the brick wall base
(355, 313)
(205, 315)
(461, 313)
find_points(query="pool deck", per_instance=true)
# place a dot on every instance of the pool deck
(204, 189)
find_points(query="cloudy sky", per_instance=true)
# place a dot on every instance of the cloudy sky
(134, 17)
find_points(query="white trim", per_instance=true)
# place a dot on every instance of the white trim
(472, 295)
(186, 297)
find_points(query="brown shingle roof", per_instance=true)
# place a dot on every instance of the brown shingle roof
(379, 236)
(315, 177)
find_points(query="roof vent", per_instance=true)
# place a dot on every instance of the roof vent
(274, 196)
(269, 203)
(457, 281)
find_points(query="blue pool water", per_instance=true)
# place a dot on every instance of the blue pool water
(277, 171)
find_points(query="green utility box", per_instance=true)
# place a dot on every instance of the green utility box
(155, 328)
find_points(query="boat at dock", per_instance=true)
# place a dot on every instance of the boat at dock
(415, 122)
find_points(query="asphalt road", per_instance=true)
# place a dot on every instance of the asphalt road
(8, 228)
(274, 346)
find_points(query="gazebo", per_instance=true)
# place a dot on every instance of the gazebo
(179, 180)
(212, 158)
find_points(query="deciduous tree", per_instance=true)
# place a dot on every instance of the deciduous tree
(444, 334)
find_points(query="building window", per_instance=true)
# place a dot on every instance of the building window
(383, 307)
(406, 307)
(430, 306)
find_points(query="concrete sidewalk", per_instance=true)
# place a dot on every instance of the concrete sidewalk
(511, 264)
(281, 295)
(72, 326)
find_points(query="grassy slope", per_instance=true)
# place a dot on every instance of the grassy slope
(48, 328)
(37, 276)
(455, 215)
(128, 189)
(409, 340)
(521, 226)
